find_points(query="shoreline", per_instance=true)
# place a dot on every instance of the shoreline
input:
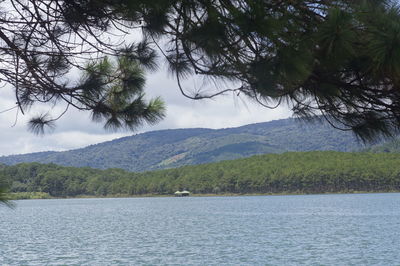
(18, 196)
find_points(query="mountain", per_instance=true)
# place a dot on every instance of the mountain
(177, 147)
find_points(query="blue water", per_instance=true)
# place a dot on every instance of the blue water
(357, 229)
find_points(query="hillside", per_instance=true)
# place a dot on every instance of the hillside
(389, 146)
(292, 172)
(178, 147)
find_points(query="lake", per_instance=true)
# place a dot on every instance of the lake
(343, 229)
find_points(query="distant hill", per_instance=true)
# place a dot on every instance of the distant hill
(178, 147)
(389, 146)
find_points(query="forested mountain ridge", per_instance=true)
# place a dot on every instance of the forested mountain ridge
(291, 172)
(178, 147)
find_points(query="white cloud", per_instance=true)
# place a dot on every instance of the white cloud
(75, 129)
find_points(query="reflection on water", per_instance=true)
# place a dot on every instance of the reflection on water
(354, 229)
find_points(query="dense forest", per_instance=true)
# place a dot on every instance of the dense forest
(292, 172)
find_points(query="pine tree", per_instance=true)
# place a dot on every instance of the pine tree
(339, 60)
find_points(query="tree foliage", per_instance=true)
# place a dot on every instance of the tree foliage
(302, 172)
(339, 59)
(335, 58)
(4, 199)
(43, 41)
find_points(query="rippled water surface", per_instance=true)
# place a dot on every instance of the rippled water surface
(358, 229)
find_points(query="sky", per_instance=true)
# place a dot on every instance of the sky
(76, 130)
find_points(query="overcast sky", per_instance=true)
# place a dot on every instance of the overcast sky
(76, 130)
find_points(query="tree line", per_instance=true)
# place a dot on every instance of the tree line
(292, 172)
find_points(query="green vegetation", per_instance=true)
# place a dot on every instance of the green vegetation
(292, 172)
(3, 195)
(28, 195)
(178, 147)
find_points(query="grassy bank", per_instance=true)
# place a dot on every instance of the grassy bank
(42, 195)
(28, 195)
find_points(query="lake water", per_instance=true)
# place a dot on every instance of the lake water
(356, 229)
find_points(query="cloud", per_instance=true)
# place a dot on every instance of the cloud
(75, 129)
(219, 112)
(24, 142)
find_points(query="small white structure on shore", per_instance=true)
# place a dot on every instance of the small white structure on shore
(184, 193)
